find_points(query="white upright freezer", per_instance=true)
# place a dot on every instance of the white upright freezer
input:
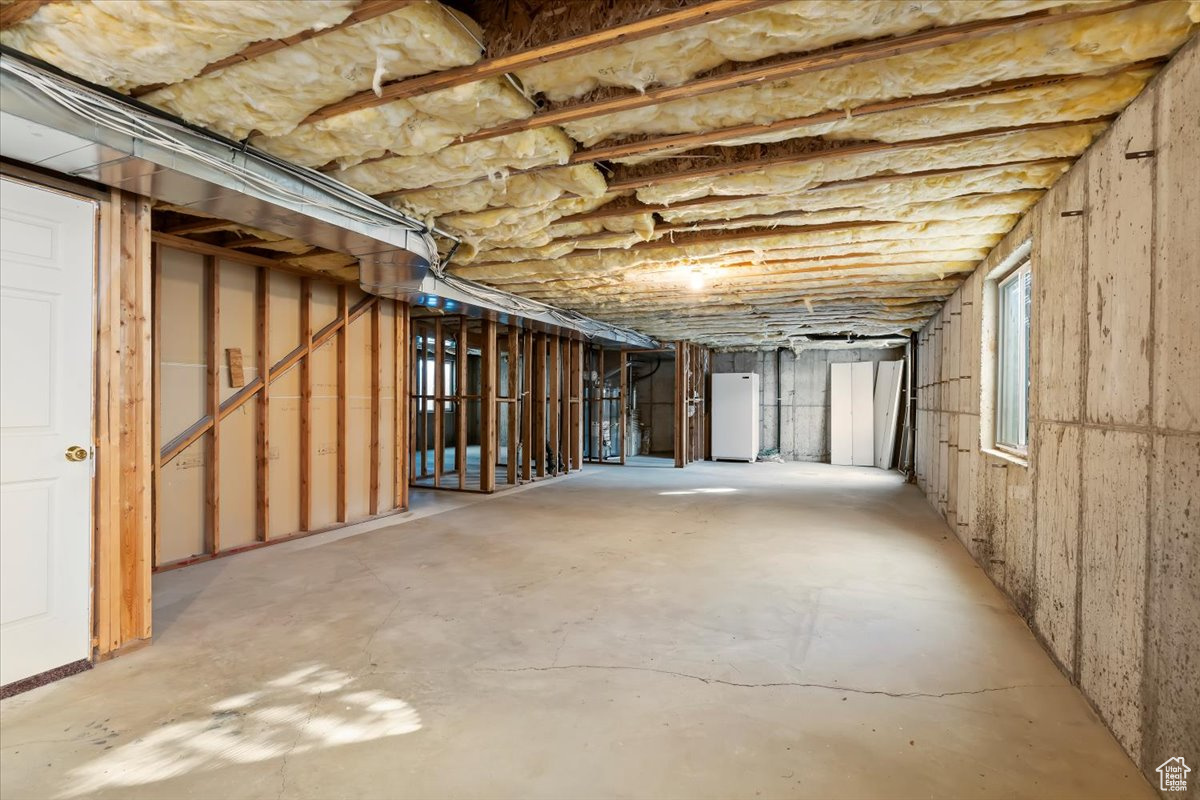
(735, 415)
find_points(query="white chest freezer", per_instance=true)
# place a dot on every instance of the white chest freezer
(735, 416)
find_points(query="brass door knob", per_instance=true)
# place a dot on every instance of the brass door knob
(76, 453)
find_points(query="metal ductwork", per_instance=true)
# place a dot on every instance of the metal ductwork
(60, 124)
(53, 121)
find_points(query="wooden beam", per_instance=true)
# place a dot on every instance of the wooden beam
(695, 14)
(212, 474)
(368, 9)
(203, 248)
(306, 406)
(263, 443)
(17, 11)
(737, 168)
(488, 378)
(123, 432)
(689, 141)
(376, 381)
(667, 146)
(343, 399)
(615, 209)
(775, 68)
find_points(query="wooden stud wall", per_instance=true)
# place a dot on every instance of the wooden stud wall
(603, 403)
(284, 386)
(517, 397)
(692, 376)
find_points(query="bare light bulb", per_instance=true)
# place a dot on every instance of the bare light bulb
(696, 282)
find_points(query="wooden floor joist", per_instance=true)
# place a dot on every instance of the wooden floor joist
(617, 209)
(777, 68)
(686, 17)
(738, 168)
(680, 143)
(367, 10)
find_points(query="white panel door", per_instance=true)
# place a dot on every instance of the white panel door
(47, 259)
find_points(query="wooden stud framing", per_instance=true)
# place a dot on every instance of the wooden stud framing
(462, 358)
(212, 475)
(376, 381)
(343, 408)
(258, 389)
(263, 448)
(400, 433)
(681, 378)
(489, 367)
(514, 402)
(576, 423)
(526, 405)
(554, 401)
(439, 402)
(622, 361)
(305, 408)
(538, 443)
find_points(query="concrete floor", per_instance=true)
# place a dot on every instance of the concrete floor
(725, 631)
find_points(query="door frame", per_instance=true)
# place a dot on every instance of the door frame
(122, 410)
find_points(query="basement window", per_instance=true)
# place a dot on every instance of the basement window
(1012, 360)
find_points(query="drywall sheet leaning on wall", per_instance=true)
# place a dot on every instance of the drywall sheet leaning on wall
(887, 411)
(862, 399)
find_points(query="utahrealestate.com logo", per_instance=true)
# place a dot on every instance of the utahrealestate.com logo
(1172, 775)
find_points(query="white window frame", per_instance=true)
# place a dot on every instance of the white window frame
(1017, 263)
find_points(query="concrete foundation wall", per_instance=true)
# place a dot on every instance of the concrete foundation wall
(1097, 540)
(803, 387)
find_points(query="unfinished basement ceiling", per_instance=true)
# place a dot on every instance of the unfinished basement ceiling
(761, 173)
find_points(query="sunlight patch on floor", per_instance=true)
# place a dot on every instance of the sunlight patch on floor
(281, 718)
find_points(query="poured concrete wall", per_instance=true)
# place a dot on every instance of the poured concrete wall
(1097, 539)
(803, 394)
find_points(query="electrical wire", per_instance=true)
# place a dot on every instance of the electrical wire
(138, 124)
(135, 123)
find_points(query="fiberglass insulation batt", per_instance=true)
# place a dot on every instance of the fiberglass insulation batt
(1092, 43)
(272, 94)
(672, 58)
(123, 44)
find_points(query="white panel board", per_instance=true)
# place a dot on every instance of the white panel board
(840, 407)
(862, 393)
(887, 411)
